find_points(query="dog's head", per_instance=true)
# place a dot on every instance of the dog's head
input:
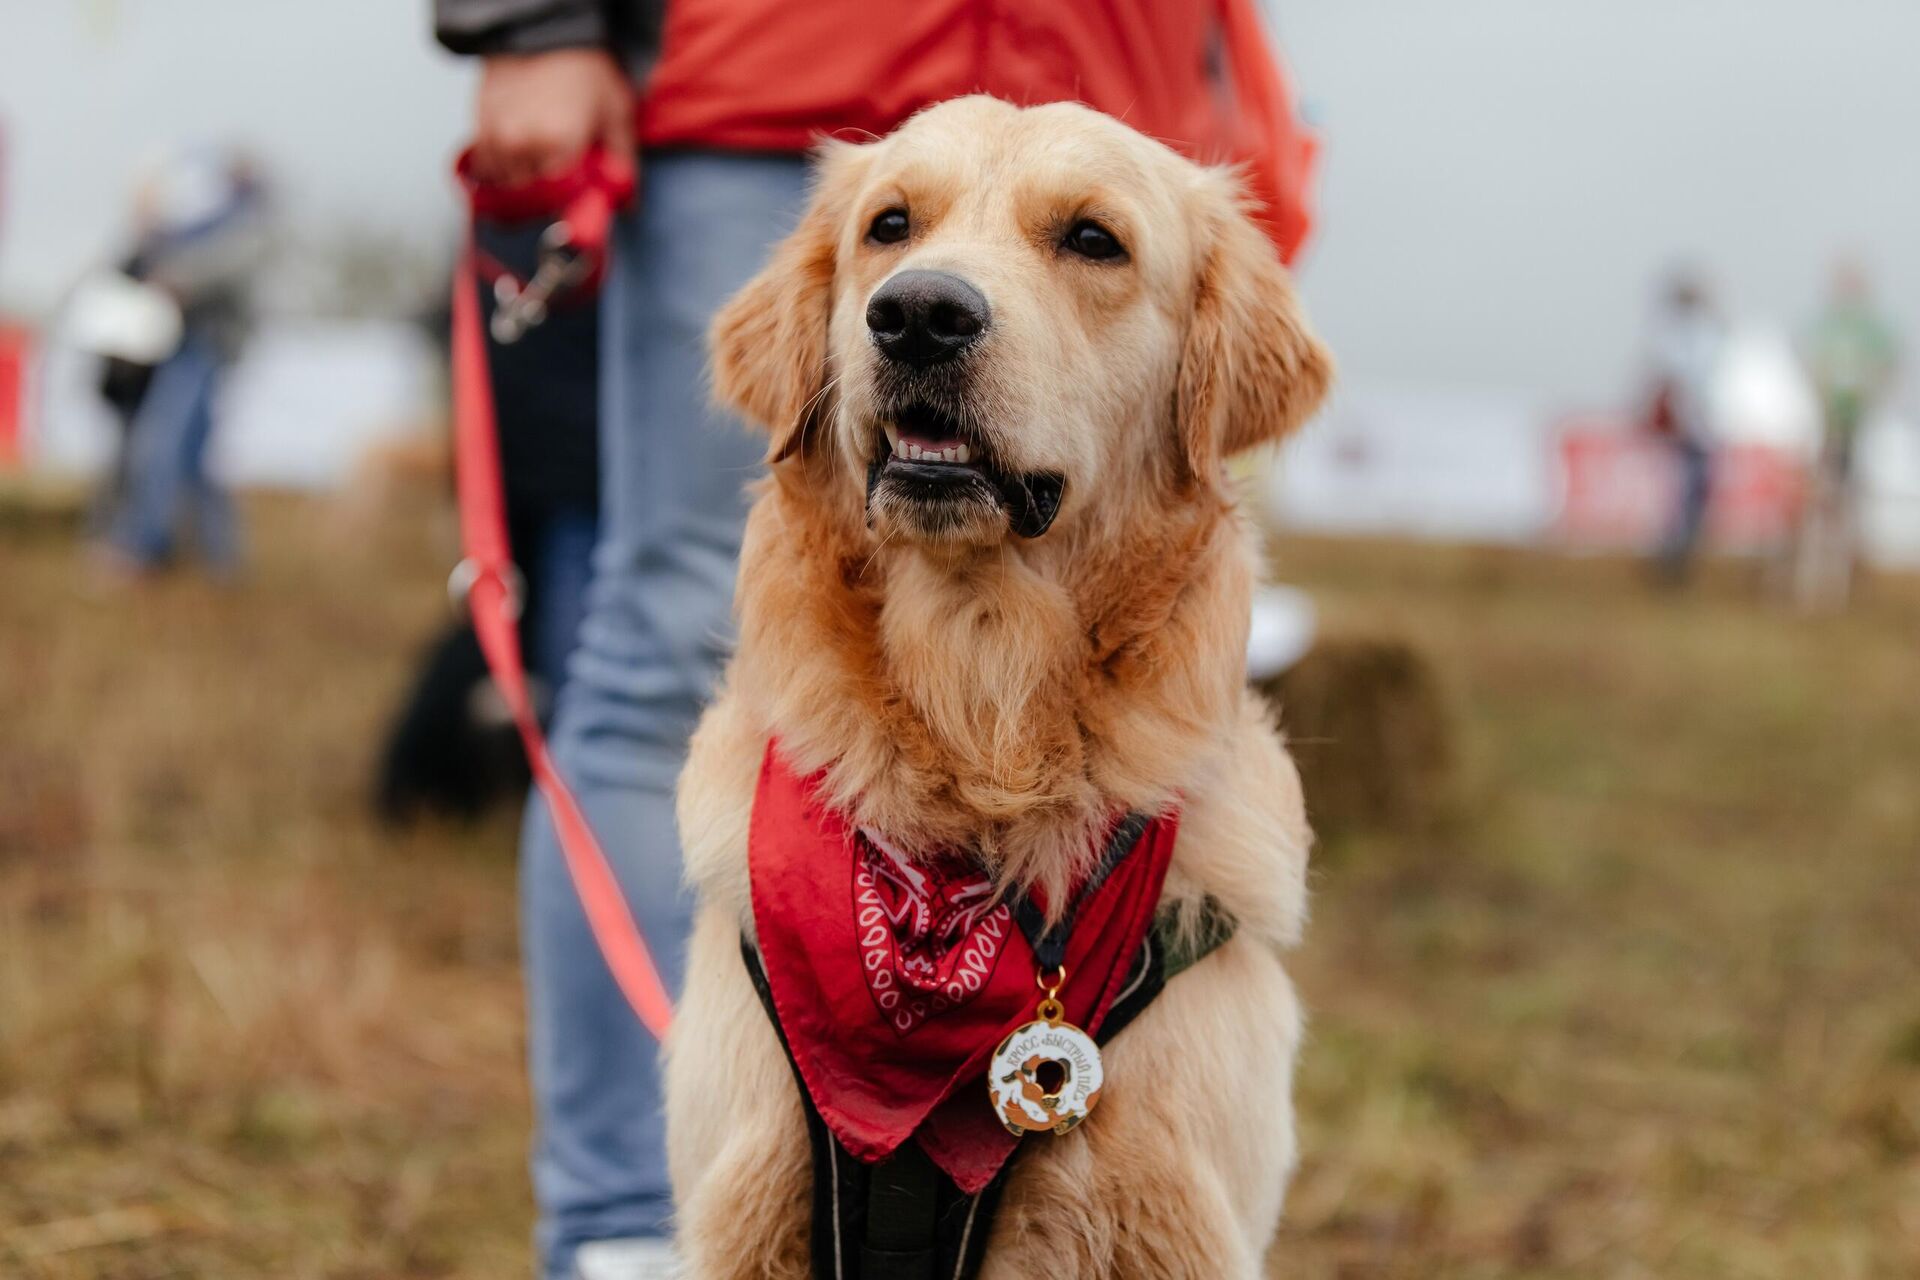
(997, 320)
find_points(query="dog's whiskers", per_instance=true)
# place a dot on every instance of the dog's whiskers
(825, 388)
(877, 550)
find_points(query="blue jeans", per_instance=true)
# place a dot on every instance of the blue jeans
(654, 635)
(166, 485)
(1695, 464)
(562, 560)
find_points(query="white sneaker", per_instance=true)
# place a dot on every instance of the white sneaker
(640, 1258)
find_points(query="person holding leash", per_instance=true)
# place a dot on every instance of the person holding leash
(718, 102)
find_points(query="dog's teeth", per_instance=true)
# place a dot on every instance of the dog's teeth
(959, 454)
(893, 436)
(913, 451)
(948, 454)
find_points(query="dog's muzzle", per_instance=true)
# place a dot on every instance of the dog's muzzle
(943, 470)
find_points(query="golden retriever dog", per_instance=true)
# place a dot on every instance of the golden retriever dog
(996, 588)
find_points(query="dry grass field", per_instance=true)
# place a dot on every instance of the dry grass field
(1647, 1003)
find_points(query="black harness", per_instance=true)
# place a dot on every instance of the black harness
(904, 1218)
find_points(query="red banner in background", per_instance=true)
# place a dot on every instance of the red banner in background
(1620, 487)
(16, 351)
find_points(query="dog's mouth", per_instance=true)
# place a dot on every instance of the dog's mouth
(937, 466)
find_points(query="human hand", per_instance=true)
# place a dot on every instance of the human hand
(537, 113)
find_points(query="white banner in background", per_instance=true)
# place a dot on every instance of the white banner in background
(305, 402)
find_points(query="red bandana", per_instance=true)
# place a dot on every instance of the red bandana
(894, 977)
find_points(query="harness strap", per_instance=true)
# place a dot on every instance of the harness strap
(1050, 945)
(861, 1211)
(1170, 949)
(902, 1196)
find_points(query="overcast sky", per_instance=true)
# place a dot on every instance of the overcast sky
(1503, 179)
(1506, 178)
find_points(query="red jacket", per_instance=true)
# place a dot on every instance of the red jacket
(775, 75)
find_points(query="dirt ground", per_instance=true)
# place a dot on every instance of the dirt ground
(1646, 1005)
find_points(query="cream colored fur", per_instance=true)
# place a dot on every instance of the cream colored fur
(972, 688)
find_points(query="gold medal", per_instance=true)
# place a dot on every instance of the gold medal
(1046, 1075)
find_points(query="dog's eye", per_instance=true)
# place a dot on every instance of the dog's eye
(889, 227)
(1091, 240)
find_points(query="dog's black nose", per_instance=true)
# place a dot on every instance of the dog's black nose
(924, 317)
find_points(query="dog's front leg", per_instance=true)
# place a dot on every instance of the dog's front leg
(736, 1136)
(1170, 1223)
(1180, 1173)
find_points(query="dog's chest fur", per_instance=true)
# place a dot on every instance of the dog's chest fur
(1000, 703)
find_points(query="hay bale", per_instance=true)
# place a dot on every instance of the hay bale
(1371, 733)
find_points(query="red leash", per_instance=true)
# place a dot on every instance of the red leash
(573, 256)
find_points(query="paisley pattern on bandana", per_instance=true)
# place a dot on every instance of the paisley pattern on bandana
(931, 932)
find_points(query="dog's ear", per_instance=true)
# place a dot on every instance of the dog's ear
(1251, 370)
(769, 342)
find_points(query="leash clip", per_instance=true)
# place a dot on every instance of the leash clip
(469, 571)
(522, 306)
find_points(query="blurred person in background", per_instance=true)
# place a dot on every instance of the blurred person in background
(178, 315)
(1688, 342)
(1853, 356)
(130, 327)
(723, 99)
